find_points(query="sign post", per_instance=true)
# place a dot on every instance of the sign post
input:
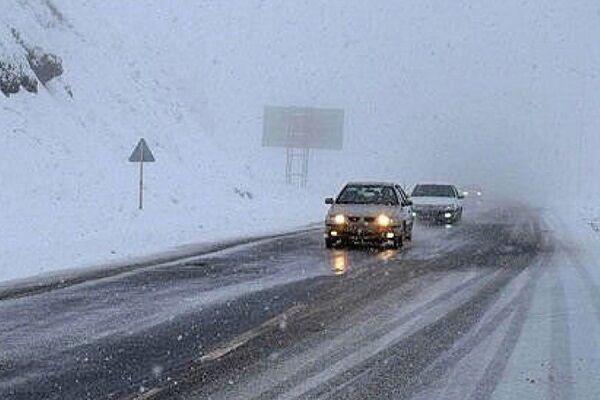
(141, 154)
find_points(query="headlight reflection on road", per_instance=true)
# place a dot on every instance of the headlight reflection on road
(386, 255)
(339, 262)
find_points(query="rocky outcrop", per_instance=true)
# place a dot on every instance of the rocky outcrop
(46, 66)
(13, 78)
(16, 74)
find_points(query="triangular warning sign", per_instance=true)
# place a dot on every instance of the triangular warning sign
(141, 153)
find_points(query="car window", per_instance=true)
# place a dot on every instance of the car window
(401, 193)
(368, 194)
(434, 191)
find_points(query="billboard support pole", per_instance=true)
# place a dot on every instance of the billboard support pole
(296, 166)
(288, 165)
(305, 153)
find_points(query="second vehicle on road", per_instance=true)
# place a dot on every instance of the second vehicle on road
(441, 203)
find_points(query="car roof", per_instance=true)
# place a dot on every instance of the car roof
(372, 183)
(434, 184)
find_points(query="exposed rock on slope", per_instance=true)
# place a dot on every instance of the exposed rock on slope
(13, 77)
(46, 66)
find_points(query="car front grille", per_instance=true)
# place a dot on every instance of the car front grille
(428, 208)
(356, 219)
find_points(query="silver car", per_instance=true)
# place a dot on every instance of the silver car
(437, 202)
(376, 213)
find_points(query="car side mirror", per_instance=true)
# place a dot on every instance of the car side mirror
(329, 200)
(407, 203)
(461, 196)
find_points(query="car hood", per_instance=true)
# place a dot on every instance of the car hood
(434, 201)
(360, 210)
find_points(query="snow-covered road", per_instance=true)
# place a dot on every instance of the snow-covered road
(503, 306)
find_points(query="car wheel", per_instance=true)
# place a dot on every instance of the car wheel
(328, 243)
(408, 235)
(397, 243)
(458, 217)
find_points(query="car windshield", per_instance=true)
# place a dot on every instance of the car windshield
(433, 191)
(367, 194)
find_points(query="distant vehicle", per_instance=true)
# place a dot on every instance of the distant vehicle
(369, 212)
(436, 202)
(472, 191)
(474, 195)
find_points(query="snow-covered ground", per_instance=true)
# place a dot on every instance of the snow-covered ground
(68, 195)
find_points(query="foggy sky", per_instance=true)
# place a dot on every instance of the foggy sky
(499, 93)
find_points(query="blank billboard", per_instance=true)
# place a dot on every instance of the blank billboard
(303, 127)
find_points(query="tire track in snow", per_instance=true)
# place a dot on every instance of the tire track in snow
(378, 338)
(493, 372)
(560, 374)
(593, 290)
(425, 369)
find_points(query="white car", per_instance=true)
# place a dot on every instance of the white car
(369, 212)
(441, 203)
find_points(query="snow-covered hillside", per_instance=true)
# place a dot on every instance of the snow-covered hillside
(68, 194)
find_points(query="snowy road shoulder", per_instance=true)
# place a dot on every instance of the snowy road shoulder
(67, 277)
(557, 356)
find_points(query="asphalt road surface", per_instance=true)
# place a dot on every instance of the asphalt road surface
(284, 318)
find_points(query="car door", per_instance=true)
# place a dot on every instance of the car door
(458, 198)
(405, 207)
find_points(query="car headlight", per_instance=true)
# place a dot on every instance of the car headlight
(384, 220)
(339, 219)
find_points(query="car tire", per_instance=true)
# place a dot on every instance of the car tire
(397, 243)
(328, 243)
(458, 217)
(408, 234)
